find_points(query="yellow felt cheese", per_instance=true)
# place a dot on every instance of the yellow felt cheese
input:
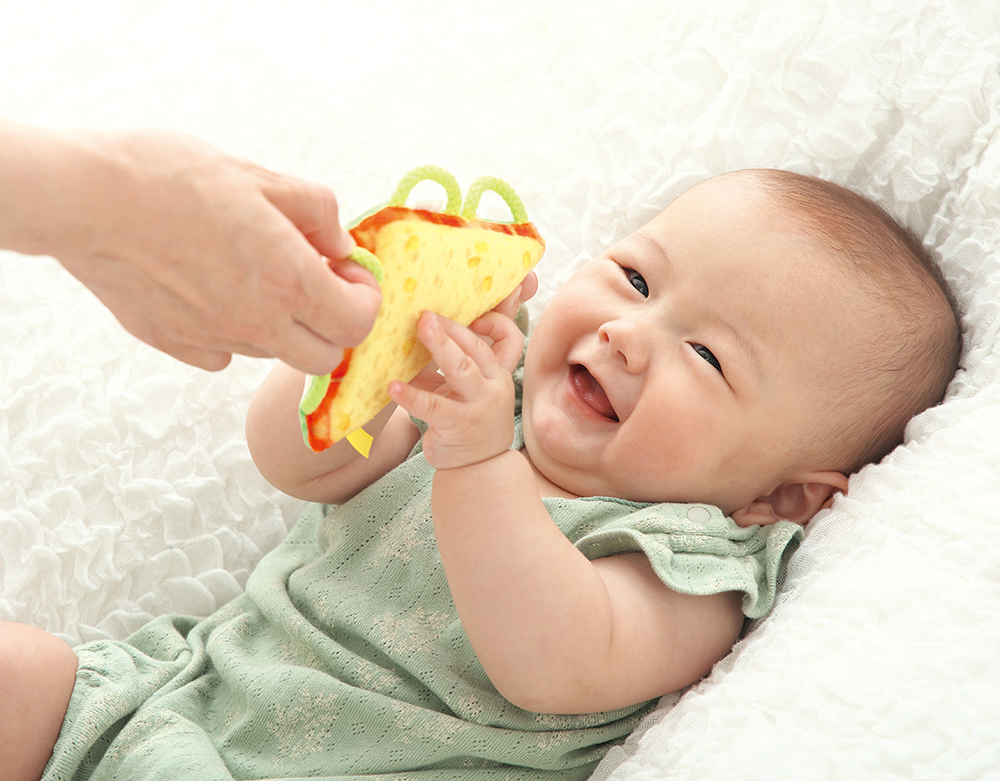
(457, 267)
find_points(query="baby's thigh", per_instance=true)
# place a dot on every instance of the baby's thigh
(37, 673)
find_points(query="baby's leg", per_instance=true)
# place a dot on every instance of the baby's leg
(37, 672)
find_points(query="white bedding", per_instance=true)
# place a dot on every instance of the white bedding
(126, 489)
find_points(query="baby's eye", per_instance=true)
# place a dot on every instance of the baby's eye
(705, 353)
(635, 278)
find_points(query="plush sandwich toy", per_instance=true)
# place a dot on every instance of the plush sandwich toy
(449, 262)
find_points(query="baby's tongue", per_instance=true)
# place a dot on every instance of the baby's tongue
(592, 393)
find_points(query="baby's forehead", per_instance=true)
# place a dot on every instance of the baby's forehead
(752, 225)
(736, 202)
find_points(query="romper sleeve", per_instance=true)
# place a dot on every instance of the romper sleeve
(695, 549)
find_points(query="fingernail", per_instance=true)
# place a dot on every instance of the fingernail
(347, 241)
(426, 323)
(437, 329)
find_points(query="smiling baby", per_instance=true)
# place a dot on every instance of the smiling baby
(533, 553)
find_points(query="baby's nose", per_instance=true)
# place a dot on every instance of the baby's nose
(629, 340)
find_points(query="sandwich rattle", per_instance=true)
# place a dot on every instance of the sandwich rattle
(451, 262)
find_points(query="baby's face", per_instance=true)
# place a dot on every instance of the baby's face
(685, 363)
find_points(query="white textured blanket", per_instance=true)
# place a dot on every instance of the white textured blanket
(126, 489)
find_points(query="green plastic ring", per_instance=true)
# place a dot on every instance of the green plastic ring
(434, 174)
(517, 211)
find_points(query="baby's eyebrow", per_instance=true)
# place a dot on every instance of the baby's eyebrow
(650, 245)
(747, 347)
(646, 243)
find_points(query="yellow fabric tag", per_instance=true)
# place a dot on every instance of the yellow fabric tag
(361, 441)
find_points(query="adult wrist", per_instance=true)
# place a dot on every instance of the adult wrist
(56, 191)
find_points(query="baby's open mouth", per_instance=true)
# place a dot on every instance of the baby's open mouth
(590, 390)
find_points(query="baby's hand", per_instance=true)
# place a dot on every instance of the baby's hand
(470, 409)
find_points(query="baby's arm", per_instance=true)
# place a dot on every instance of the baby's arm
(274, 436)
(274, 433)
(554, 631)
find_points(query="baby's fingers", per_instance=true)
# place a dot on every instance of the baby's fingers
(508, 307)
(462, 357)
(424, 403)
(520, 294)
(506, 338)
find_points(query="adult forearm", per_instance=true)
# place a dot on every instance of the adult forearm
(50, 182)
(196, 252)
(30, 161)
(535, 609)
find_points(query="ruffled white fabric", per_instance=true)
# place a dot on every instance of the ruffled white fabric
(126, 490)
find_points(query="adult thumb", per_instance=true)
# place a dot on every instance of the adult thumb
(312, 208)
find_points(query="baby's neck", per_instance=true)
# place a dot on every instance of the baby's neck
(545, 486)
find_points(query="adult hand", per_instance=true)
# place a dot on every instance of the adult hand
(196, 252)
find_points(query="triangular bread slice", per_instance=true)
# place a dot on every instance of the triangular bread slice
(456, 266)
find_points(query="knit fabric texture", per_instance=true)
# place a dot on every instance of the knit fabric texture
(345, 658)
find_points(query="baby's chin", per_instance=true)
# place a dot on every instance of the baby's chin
(551, 477)
(555, 479)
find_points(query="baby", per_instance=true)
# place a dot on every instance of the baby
(510, 581)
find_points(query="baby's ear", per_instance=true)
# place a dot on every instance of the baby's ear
(797, 502)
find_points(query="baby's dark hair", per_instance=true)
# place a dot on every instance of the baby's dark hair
(918, 340)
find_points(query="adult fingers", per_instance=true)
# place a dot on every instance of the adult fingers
(340, 302)
(308, 323)
(331, 310)
(313, 209)
(210, 357)
(291, 331)
(170, 325)
(191, 344)
(210, 360)
(304, 311)
(300, 348)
